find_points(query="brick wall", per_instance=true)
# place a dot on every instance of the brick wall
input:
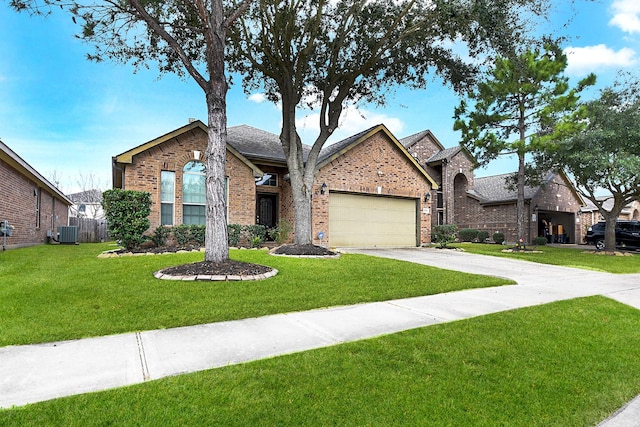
(373, 163)
(555, 201)
(143, 174)
(18, 201)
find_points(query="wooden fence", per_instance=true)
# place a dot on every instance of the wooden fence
(90, 230)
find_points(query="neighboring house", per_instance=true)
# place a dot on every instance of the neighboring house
(368, 191)
(86, 204)
(591, 215)
(552, 209)
(32, 205)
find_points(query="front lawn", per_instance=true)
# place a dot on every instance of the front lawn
(570, 363)
(50, 293)
(567, 257)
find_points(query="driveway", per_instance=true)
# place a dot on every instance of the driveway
(549, 279)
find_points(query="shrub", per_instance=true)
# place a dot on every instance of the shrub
(127, 213)
(256, 234)
(483, 236)
(444, 234)
(281, 233)
(540, 241)
(160, 235)
(498, 237)
(182, 234)
(468, 234)
(197, 233)
(234, 233)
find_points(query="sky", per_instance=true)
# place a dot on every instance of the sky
(67, 117)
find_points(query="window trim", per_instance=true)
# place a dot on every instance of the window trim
(167, 203)
(272, 176)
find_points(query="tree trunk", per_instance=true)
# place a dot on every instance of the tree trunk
(216, 243)
(610, 232)
(520, 220)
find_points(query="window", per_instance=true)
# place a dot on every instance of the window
(268, 179)
(37, 194)
(193, 193)
(167, 197)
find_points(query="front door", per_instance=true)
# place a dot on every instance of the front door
(267, 210)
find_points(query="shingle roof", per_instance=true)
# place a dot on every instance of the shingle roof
(256, 143)
(444, 154)
(408, 141)
(494, 189)
(90, 196)
(329, 150)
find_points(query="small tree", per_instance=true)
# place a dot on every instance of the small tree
(127, 214)
(444, 234)
(515, 107)
(605, 153)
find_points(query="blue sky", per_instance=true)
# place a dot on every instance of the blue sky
(67, 116)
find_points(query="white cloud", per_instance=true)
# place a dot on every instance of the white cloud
(626, 15)
(583, 60)
(352, 121)
(258, 98)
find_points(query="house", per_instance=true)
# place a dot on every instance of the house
(452, 168)
(368, 191)
(86, 204)
(33, 206)
(590, 214)
(488, 203)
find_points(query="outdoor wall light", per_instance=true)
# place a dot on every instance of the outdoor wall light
(427, 197)
(323, 188)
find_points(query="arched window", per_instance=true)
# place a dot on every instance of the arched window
(193, 193)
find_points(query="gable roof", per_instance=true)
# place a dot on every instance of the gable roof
(410, 140)
(15, 161)
(493, 189)
(447, 153)
(127, 156)
(333, 151)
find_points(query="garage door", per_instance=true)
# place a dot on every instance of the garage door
(368, 221)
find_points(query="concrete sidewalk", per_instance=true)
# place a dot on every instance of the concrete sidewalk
(40, 372)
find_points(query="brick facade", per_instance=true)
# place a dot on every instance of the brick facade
(556, 202)
(20, 196)
(457, 203)
(143, 174)
(376, 166)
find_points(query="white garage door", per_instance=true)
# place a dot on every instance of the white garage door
(368, 221)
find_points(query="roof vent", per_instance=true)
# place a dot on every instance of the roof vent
(191, 120)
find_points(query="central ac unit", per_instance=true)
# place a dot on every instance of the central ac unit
(68, 234)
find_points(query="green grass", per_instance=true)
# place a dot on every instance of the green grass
(568, 257)
(51, 293)
(569, 363)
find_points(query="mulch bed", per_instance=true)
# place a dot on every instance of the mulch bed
(303, 250)
(223, 268)
(230, 267)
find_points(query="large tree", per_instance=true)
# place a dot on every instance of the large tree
(516, 110)
(179, 36)
(604, 155)
(330, 54)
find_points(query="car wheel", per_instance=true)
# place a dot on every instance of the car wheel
(599, 244)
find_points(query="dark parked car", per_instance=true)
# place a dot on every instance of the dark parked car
(627, 234)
